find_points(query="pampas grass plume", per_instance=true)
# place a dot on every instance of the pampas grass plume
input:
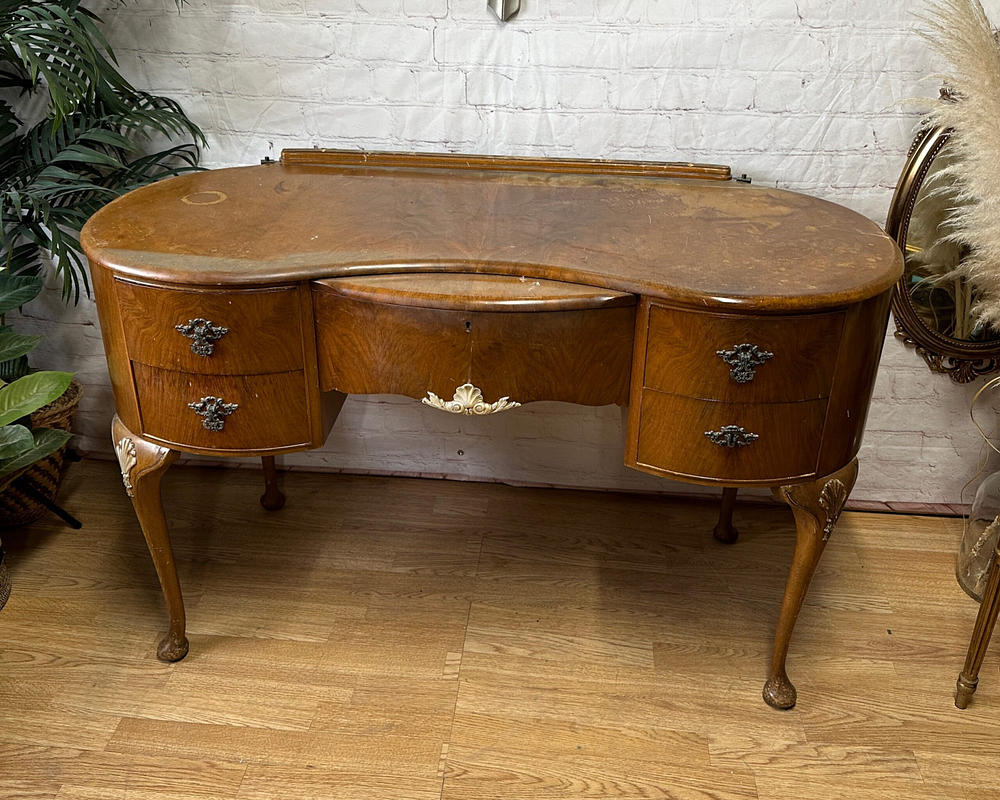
(960, 32)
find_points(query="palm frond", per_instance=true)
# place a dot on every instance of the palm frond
(90, 149)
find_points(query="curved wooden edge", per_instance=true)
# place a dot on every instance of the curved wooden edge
(282, 275)
(363, 158)
(470, 291)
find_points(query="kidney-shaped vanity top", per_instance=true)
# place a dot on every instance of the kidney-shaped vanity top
(637, 228)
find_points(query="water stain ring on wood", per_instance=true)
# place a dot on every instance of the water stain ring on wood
(209, 198)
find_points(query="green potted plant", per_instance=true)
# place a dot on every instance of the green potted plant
(92, 137)
(24, 442)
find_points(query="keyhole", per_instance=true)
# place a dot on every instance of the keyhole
(468, 326)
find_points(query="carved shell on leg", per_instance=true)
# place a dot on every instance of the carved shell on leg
(125, 450)
(832, 500)
(468, 400)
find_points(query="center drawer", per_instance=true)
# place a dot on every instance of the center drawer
(430, 334)
(741, 358)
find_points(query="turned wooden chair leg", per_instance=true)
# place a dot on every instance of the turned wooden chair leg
(986, 621)
(816, 507)
(143, 465)
(272, 499)
(724, 531)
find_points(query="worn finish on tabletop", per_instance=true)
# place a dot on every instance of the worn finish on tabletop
(712, 243)
(741, 326)
(391, 639)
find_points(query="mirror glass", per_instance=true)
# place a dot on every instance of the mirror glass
(942, 301)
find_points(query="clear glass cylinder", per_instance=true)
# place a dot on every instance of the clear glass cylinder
(980, 538)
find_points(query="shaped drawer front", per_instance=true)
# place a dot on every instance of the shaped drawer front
(762, 442)
(578, 355)
(211, 332)
(741, 358)
(223, 412)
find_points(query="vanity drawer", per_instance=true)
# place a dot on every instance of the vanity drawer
(263, 329)
(785, 358)
(271, 412)
(577, 355)
(672, 438)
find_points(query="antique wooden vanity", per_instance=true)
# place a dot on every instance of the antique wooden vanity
(740, 326)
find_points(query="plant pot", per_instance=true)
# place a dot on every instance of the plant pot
(17, 508)
(4, 581)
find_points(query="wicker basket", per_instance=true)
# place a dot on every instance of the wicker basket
(16, 508)
(4, 581)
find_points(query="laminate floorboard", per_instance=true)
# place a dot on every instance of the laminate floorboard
(394, 639)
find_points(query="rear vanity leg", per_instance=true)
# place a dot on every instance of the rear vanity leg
(724, 531)
(816, 506)
(143, 465)
(272, 499)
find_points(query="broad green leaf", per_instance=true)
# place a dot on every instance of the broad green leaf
(15, 345)
(46, 442)
(16, 290)
(14, 441)
(30, 393)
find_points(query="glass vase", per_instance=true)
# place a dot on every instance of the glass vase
(980, 538)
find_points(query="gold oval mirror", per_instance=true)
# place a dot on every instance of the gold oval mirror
(932, 309)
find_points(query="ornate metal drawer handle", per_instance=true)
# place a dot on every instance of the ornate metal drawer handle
(214, 410)
(743, 358)
(203, 333)
(732, 436)
(468, 400)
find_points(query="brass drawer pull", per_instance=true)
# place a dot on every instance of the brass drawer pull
(203, 334)
(732, 436)
(743, 358)
(214, 410)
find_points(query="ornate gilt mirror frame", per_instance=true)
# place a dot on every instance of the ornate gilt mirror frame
(964, 361)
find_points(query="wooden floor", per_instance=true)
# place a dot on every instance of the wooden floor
(387, 638)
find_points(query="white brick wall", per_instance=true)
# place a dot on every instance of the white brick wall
(803, 94)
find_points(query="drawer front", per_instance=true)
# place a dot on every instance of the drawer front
(223, 333)
(577, 356)
(762, 360)
(672, 437)
(257, 412)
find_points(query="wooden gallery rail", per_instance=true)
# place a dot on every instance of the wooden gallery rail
(740, 326)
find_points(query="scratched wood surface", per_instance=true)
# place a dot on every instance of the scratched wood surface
(387, 638)
(707, 243)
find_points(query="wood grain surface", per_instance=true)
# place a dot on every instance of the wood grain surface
(264, 330)
(472, 292)
(272, 409)
(672, 439)
(682, 355)
(708, 242)
(315, 156)
(389, 639)
(578, 356)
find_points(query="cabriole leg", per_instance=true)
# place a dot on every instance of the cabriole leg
(986, 620)
(272, 499)
(143, 465)
(816, 506)
(724, 531)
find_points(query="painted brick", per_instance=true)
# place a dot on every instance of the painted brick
(401, 43)
(425, 8)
